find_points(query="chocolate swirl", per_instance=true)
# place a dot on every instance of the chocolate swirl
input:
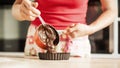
(49, 36)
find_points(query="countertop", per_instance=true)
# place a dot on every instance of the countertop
(18, 60)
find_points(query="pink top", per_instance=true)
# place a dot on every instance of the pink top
(62, 13)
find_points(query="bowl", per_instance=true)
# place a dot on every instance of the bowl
(46, 36)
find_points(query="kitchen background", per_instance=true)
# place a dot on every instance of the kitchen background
(13, 32)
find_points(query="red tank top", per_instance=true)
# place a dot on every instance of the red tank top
(62, 13)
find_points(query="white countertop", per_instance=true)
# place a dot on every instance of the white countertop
(18, 60)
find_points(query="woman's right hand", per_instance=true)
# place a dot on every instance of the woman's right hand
(28, 10)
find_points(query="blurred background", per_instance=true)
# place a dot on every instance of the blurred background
(13, 32)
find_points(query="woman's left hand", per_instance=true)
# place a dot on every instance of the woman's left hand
(77, 30)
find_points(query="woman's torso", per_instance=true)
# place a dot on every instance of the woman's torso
(62, 13)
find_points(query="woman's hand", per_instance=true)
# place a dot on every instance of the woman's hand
(25, 10)
(28, 10)
(77, 30)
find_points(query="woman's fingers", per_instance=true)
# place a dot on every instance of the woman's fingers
(27, 14)
(73, 34)
(27, 4)
(28, 10)
(77, 30)
(35, 11)
(34, 4)
(71, 28)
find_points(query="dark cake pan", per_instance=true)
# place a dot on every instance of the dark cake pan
(54, 56)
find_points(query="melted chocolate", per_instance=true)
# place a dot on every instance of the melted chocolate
(48, 35)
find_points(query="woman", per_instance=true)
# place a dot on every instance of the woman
(69, 16)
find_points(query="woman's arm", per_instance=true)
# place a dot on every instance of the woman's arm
(108, 16)
(25, 10)
(105, 19)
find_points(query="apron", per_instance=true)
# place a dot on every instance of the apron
(79, 46)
